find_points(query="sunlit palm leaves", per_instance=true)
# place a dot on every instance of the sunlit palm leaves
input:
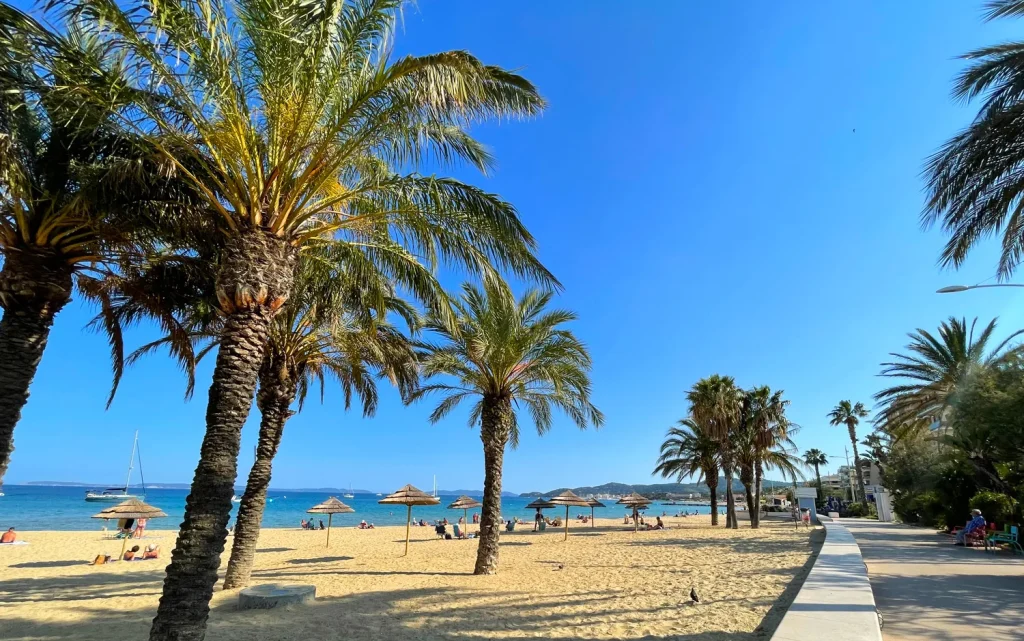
(976, 180)
(688, 452)
(933, 368)
(501, 347)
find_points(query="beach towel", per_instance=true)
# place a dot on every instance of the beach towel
(16, 543)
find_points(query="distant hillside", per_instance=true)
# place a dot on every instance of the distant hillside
(653, 488)
(473, 493)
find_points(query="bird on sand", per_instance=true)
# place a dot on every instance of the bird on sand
(693, 596)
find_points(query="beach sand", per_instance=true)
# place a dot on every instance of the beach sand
(614, 585)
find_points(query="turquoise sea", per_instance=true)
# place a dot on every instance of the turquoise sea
(35, 507)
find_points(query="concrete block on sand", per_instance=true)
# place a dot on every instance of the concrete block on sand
(271, 595)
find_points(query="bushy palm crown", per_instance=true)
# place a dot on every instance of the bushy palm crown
(302, 124)
(815, 457)
(687, 451)
(934, 367)
(716, 404)
(766, 433)
(976, 180)
(848, 414)
(62, 162)
(503, 348)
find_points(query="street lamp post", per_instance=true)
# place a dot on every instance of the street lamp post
(953, 289)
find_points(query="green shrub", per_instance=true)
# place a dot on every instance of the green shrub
(994, 506)
(922, 508)
(857, 510)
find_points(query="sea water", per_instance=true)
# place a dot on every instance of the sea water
(37, 507)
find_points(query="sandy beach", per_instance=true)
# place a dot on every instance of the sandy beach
(613, 585)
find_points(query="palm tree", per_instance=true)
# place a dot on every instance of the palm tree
(688, 451)
(816, 458)
(848, 414)
(302, 123)
(763, 439)
(716, 404)
(507, 354)
(933, 369)
(975, 179)
(59, 215)
(313, 339)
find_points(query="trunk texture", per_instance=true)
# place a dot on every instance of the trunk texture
(747, 479)
(277, 391)
(33, 289)
(758, 477)
(713, 491)
(495, 427)
(255, 279)
(821, 490)
(730, 500)
(856, 465)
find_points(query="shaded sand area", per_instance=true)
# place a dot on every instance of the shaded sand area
(613, 585)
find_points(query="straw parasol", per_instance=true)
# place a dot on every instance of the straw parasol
(540, 504)
(465, 503)
(567, 498)
(330, 507)
(637, 502)
(409, 496)
(593, 503)
(130, 509)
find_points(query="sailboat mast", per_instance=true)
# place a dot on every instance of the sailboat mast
(435, 485)
(131, 462)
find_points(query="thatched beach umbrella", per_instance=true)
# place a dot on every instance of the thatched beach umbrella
(593, 503)
(330, 507)
(567, 498)
(637, 502)
(409, 496)
(539, 504)
(130, 509)
(465, 503)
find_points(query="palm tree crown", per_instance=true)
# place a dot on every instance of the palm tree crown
(934, 368)
(975, 180)
(815, 457)
(502, 348)
(687, 451)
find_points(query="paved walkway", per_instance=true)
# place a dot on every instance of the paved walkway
(926, 589)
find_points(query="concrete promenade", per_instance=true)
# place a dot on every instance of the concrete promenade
(926, 589)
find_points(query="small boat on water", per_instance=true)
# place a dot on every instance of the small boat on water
(235, 499)
(349, 494)
(118, 493)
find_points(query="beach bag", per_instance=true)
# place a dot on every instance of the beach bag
(447, 536)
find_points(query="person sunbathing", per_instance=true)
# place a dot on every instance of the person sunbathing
(9, 536)
(130, 554)
(152, 552)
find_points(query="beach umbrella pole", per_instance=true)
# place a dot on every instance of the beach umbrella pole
(329, 517)
(408, 520)
(591, 516)
(566, 523)
(124, 544)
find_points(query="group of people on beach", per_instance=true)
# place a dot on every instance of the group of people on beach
(310, 525)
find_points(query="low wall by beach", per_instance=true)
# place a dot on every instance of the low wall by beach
(836, 597)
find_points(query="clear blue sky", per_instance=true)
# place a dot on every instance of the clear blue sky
(698, 188)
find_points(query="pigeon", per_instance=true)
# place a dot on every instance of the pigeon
(693, 596)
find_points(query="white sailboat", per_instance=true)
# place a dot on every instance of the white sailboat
(117, 493)
(435, 486)
(349, 494)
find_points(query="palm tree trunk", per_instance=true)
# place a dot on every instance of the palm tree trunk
(821, 490)
(255, 279)
(860, 474)
(495, 427)
(730, 500)
(32, 292)
(274, 400)
(713, 491)
(747, 479)
(755, 516)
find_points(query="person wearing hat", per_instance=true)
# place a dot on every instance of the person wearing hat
(977, 522)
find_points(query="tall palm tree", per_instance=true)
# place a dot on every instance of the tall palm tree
(975, 179)
(849, 414)
(312, 340)
(686, 452)
(304, 125)
(61, 179)
(816, 458)
(507, 354)
(933, 369)
(716, 404)
(763, 441)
